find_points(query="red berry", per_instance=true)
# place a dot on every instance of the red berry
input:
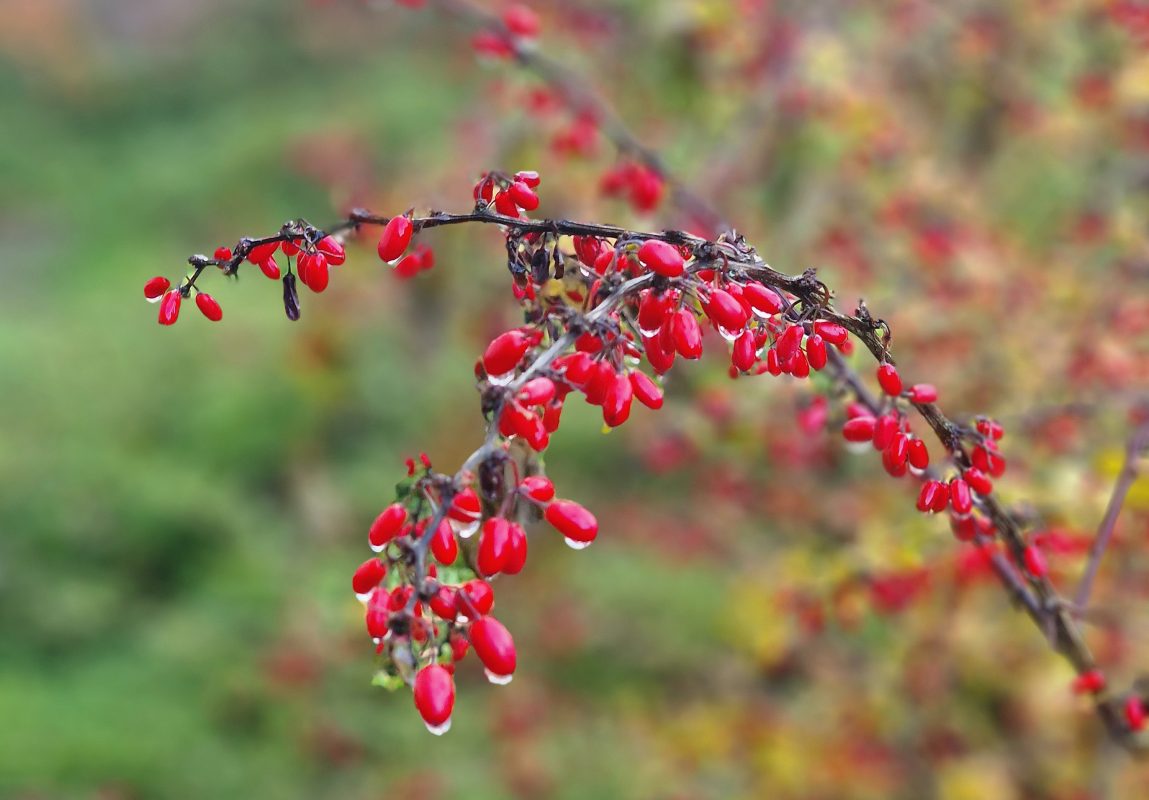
(832, 332)
(859, 429)
(885, 429)
(387, 525)
(521, 21)
(493, 546)
(368, 575)
(687, 335)
(725, 311)
(435, 697)
(978, 481)
(532, 179)
(504, 352)
(537, 392)
(923, 393)
(475, 596)
(516, 557)
(269, 268)
(1090, 682)
(919, 454)
(523, 196)
(1035, 561)
(443, 603)
(928, 496)
(960, 497)
(170, 307)
(494, 646)
(465, 507)
(646, 390)
(816, 351)
(290, 247)
(1135, 713)
(208, 306)
(889, 380)
(573, 521)
(443, 544)
(617, 400)
(262, 252)
(661, 258)
(761, 299)
(538, 488)
(744, 353)
(155, 288)
(222, 254)
(332, 250)
(788, 343)
(395, 238)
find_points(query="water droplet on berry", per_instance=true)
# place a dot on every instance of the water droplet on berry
(465, 530)
(498, 680)
(439, 730)
(501, 380)
(574, 544)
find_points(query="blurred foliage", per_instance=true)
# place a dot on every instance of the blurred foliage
(763, 616)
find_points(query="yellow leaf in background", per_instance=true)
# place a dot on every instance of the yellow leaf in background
(976, 779)
(1133, 83)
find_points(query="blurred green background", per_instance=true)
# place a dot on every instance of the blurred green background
(181, 509)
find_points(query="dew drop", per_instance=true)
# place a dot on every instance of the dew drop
(364, 597)
(439, 730)
(465, 530)
(501, 380)
(917, 473)
(729, 336)
(154, 299)
(498, 680)
(574, 544)
(377, 548)
(649, 334)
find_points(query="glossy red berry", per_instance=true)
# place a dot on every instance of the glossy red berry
(523, 196)
(208, 306)
(222, 254)
(170, 307)
(832, 332)
(978, 481)
(859, 429)
(538, 488)
(616, 401)
(532, 179)
(537, 392)
(368, 575)
(919, 454)
(789, 342)
(443, 603)
(923, 393)
(928, 496)
(155, 288)
(661, 258)
(262, 252)
(443, 544)
(1090, 682)
(889, 380)
(573, 521)
(762, 299)
(395, 238)
(816, 351)
(494, 646)
(744, 354)
(1135, 713)
(960, 497)
(435, 697)
(332, 250)
(646, 390)
(516, 557)
(387, 525)
(1035, 561)
(725, 312)
(687, 335)
(475, 597)
(493, 546)
(885, 429)
(521, 21)
(269, 268)
(504, 352)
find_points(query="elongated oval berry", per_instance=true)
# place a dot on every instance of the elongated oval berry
(725, 311)
(521, 21)
(885, 429)
(816, 351)
(960, 497)
(332, 250)
(170, 307)
(646, 390)
(465, 507)
(504, 352)
(762, 299)
(387, 525)
(652, 310)
(155, 288)
(537, 392)
(269, 268)
(743, 355)
(859, 429)
(1035, 561)
(889, 380)
(1135, 713)
(978, 481)
(789, 342)
(443, 603)
(475, 597)
(262, 252)
(368, 575)
(523, 196)
(832, 332)
(927, 497)
(435, 697)
(208, 306)
(918, 454)
(494, 646)
(687, 335)
(661, 258)
(493, 546)
(617, 400)
(516, 557)
(443, 544)
(572, 520)
(923, 393)
(538, 488)
(395, 238)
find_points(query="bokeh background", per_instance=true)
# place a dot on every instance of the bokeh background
(764, 615)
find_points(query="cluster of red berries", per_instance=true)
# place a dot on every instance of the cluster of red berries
(509, 196)
(638, 184)
(520, 25)
(423, 623)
